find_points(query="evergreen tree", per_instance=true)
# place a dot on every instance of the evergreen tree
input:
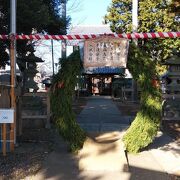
(153, 16)
(32, 17)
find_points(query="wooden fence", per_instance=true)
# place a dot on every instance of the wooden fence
(20, 117)
(45, 116)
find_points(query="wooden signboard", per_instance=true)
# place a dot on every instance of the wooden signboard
(105, 51)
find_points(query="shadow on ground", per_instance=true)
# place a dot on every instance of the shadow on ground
(70, 171)
(62, 165)
(138, 173)
(165, 143)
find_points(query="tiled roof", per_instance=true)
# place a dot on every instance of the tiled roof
(89, 29)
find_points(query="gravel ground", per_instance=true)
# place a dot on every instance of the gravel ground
(31, 150)
(79, 104)
(127, 108)
(172, 128)
(28, 156)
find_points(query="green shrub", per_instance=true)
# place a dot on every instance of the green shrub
(61, 101)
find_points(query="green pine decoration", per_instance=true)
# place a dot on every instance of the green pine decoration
(146, 124)
(62, 92)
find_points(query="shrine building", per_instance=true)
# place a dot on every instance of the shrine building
(106, 78)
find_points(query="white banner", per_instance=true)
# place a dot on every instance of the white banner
(6, 116)
(105, 51)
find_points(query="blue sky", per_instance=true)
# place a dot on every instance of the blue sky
(84, 12)
(88, 12)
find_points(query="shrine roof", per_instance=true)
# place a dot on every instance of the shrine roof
(90, 29)
(103, 70)
(87, 30)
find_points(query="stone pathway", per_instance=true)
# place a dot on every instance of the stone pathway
(103, 150)
(102, 157)
(102, 115)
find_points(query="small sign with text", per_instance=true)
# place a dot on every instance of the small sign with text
(6, 116)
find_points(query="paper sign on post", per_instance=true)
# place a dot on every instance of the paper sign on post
(6, 116)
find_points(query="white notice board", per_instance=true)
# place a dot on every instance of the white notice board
(6, 116)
